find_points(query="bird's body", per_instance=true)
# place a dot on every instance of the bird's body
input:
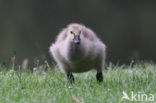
(87, 53)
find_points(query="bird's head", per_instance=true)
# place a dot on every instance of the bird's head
(74, 31)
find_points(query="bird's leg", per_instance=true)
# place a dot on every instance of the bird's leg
(70, 77)
(99, 76)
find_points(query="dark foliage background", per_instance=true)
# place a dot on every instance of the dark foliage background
(128, 27)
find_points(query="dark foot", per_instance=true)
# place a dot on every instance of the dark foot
(70, 77)
(99, 76)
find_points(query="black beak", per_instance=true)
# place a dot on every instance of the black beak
(77, 39)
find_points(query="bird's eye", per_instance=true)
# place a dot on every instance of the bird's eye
(71, 32)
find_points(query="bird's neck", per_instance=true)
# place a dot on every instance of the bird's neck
(74, 50)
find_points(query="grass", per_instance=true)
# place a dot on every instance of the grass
(52, 86)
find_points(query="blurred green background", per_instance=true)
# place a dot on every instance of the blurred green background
(127, 27)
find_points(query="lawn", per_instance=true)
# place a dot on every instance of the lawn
(52, 86)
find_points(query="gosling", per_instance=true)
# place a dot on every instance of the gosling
(77, 49)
